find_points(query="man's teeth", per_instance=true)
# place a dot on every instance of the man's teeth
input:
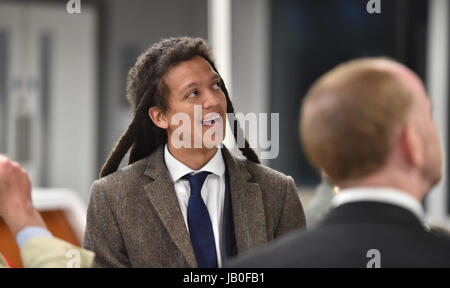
(211, 121)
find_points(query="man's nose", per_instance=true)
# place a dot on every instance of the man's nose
(211, 99)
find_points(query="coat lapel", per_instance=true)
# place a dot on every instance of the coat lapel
(246, 198)
(162, 195)
(247, 206)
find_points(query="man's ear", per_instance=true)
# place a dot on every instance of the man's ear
(158, 117)
(412, 145)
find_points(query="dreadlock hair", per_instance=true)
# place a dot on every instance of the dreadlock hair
(145, 88)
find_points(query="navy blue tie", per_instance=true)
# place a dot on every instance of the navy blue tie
(199, 222)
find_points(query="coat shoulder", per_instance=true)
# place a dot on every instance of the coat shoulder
(127, 172)
(264, 174)
(123, 179)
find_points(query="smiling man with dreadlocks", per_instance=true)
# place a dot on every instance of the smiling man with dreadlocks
(183, 206)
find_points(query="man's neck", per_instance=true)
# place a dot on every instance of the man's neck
(410, 185)
(194, 158)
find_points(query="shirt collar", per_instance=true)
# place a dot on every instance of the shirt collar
(382, 194)
(177, 169)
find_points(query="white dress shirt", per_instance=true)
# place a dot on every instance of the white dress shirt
(380, 194)
(213, 191)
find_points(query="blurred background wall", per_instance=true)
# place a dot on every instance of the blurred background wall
(63, 76)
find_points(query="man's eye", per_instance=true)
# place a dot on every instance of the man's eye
(192, 94)
(216, 86)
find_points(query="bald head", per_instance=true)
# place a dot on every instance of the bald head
(352, 115)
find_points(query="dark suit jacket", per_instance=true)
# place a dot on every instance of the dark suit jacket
(134, 219)
(348, 233)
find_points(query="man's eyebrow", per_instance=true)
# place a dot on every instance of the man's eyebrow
(193, 84)
(188, 86)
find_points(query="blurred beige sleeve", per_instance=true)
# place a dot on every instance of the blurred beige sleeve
(3, 263)
(48, 252)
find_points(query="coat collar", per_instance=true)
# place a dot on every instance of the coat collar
(247, 204)
(177, 169)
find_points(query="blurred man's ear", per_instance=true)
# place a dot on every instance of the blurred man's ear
(158, 117)
(412, 145)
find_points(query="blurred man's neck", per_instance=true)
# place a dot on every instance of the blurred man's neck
(409, 182)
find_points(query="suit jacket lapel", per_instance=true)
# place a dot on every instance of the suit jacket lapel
(162, 195)
(229, 248)
(247, 206)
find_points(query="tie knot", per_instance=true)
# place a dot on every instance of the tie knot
(196, 182)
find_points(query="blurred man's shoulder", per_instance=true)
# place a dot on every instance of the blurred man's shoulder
(441, 233)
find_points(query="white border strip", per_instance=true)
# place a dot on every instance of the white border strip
(437, 79)
(219, 37)
(219, 34)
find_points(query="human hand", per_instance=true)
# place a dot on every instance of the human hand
(16, 206)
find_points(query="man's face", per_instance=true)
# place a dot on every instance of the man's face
(432, 152)
(194, 84)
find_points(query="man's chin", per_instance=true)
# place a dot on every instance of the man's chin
(213, 137)
(212, 144)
